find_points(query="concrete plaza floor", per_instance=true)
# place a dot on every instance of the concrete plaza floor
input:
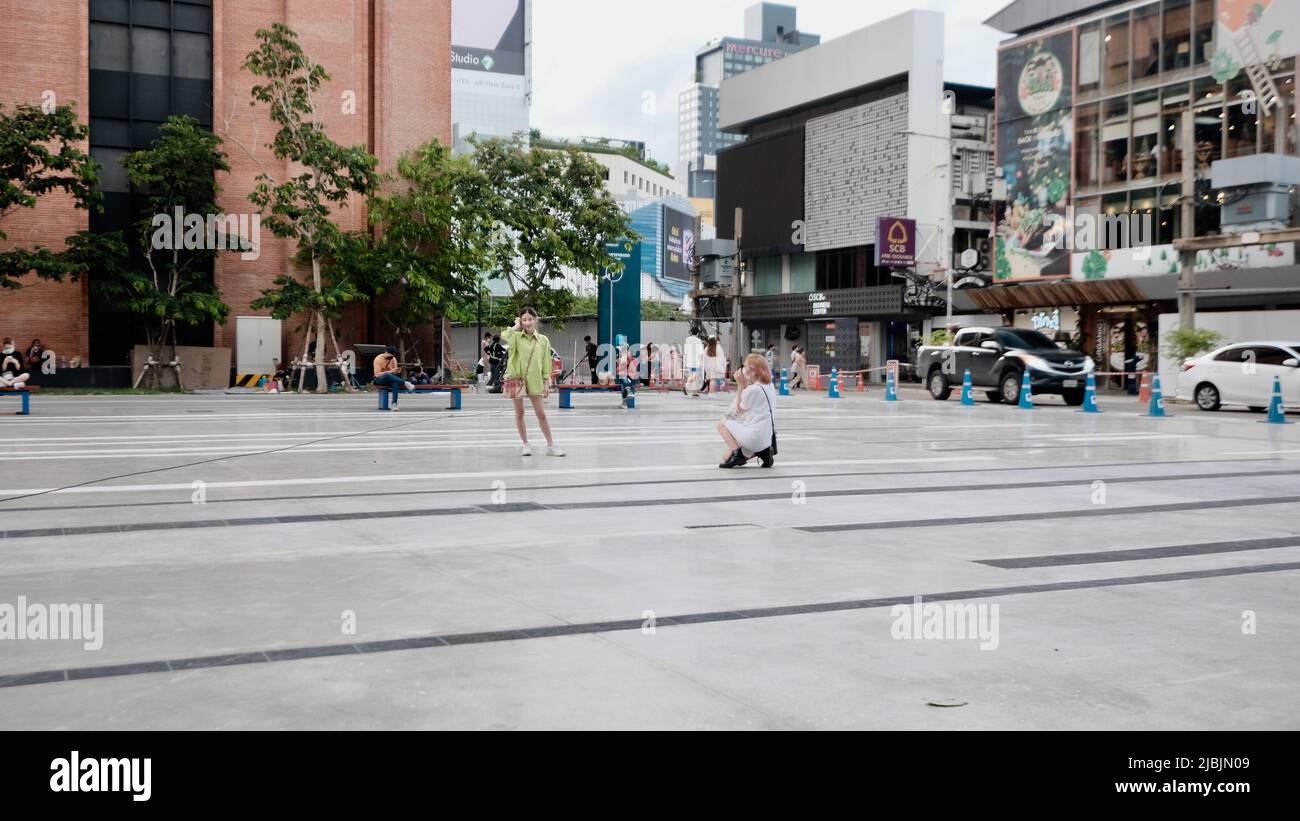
(1145, 570)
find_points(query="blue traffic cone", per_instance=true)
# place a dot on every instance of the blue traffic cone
(785, 383)
(835, 384)
(1090, 397)
(891, 389)
(1157, 399)
(967, 394)
(1276, 416)
(1026, 393)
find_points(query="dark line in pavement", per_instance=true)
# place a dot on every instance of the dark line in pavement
(1033, 517)
(1140, 554)
(753, 476)
(528, 507)
(590, 628)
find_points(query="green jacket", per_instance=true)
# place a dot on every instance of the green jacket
(531, 353)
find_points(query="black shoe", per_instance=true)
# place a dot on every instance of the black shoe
(735, 460)
(766, 456)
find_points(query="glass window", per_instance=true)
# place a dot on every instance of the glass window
(834, 270)
(112, 175)
(1271, 356)
(150, 52)
(1243, 129)
(1170, 225)
(1207, 102)
(1177, 34)
(1174, 101)
(1089, 57)
(1142, 205)
(1116, 203)
(1115, 47)
(1146, 128)
(1203, 31)
(1085, 147)
(191, 55)
(109, 49)
(1233, 355)
(1146, 41)
(1114, 141)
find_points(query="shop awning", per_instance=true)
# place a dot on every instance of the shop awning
(1067, 292)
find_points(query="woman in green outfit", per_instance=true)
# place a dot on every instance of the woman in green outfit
(528, 373)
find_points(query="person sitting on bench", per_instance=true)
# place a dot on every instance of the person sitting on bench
(12, 372)
(388, 375)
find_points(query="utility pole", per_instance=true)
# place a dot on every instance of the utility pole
(737, 331)
(1186, 255)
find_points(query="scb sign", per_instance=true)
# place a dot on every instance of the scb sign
(895, 242)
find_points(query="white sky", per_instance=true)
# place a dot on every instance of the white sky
(594, 60)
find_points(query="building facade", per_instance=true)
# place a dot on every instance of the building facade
(771, 33)
(855, 129)
(1179, 115)
(491, 69)
(126, 65)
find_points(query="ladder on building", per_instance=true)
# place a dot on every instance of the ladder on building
(1266, 93)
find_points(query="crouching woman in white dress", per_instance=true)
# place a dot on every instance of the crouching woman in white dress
(748, 426)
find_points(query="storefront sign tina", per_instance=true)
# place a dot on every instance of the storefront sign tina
(895, 242)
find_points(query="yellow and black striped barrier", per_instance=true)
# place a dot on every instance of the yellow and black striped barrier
(250, 380)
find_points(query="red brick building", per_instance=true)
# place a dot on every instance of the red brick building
(390, 90)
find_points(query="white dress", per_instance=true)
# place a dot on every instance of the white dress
(752, 422)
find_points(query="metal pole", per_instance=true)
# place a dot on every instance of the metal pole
(949, 322)
(1187, 259)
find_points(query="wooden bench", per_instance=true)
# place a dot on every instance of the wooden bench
(454, 390)
(567, 391)
(26, 394)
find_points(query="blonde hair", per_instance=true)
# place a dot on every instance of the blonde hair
(759, 363)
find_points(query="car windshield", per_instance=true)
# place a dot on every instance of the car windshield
(1023, 339)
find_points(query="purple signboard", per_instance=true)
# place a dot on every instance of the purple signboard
(895, 242)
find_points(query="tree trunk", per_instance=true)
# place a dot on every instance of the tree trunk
(322, 383)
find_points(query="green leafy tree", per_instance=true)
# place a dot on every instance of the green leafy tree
(173, 286)
(550, 214)
(40, 155)
(299, 207)
(1184, 343)
(653, 311)
(434, 241)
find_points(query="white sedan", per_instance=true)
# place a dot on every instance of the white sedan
(1242, 374)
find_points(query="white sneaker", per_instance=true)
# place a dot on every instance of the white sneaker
(526, 450)
(393, 407)
(409, 386)
(555, 451)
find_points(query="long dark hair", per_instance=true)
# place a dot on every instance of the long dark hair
(713, 346)
(528, 310)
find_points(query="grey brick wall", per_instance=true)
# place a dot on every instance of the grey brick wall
(855, 169)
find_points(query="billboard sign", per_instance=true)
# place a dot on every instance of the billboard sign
(488, 35)
(679, 244)
(1035, 145)
(895, 242)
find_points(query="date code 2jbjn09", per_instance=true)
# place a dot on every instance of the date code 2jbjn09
(1207, 764)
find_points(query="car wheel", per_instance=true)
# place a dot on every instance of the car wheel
(1073, 397)
(994, 397)
(939, 387)
(1011, 387)
(1207, 397)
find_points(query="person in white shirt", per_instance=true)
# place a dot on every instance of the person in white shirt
(749, 428)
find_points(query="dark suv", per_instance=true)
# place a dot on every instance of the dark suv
(998, 358)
